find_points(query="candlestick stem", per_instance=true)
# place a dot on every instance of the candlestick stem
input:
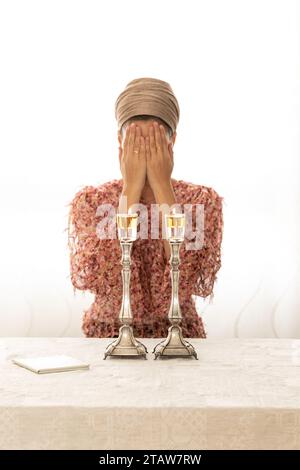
(174, 345)
(126, 344)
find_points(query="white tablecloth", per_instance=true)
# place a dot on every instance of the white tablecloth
(240, 394)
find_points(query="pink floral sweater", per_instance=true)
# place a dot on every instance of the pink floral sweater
(95, 265)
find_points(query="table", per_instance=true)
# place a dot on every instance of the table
(240, 394)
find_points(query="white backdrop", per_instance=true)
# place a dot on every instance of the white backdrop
(234, 67)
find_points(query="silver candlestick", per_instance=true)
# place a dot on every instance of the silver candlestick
(126, 344)
(175, 345)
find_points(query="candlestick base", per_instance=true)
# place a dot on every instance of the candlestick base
(125, 345)
(174, 345)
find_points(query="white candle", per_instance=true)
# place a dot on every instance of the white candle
(127, 226)
(175, 224)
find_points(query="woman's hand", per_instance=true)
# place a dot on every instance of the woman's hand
(133, 166)
(133, 159)
(159, 157)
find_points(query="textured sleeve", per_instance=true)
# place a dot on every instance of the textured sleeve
(199, 267)
(94, 261)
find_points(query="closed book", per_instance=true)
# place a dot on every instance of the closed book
(48, 364)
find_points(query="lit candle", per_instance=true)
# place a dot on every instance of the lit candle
(175, 225)
(127, 226)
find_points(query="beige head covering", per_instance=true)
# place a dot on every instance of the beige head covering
(147, 96)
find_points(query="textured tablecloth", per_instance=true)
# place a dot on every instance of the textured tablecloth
(240, 394)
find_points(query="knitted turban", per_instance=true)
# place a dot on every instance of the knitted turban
(147, 96)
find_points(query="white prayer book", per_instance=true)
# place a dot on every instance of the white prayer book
(47, 364)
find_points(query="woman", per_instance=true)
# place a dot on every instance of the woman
(147, 114)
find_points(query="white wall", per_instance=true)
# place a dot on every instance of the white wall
(234, 66)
